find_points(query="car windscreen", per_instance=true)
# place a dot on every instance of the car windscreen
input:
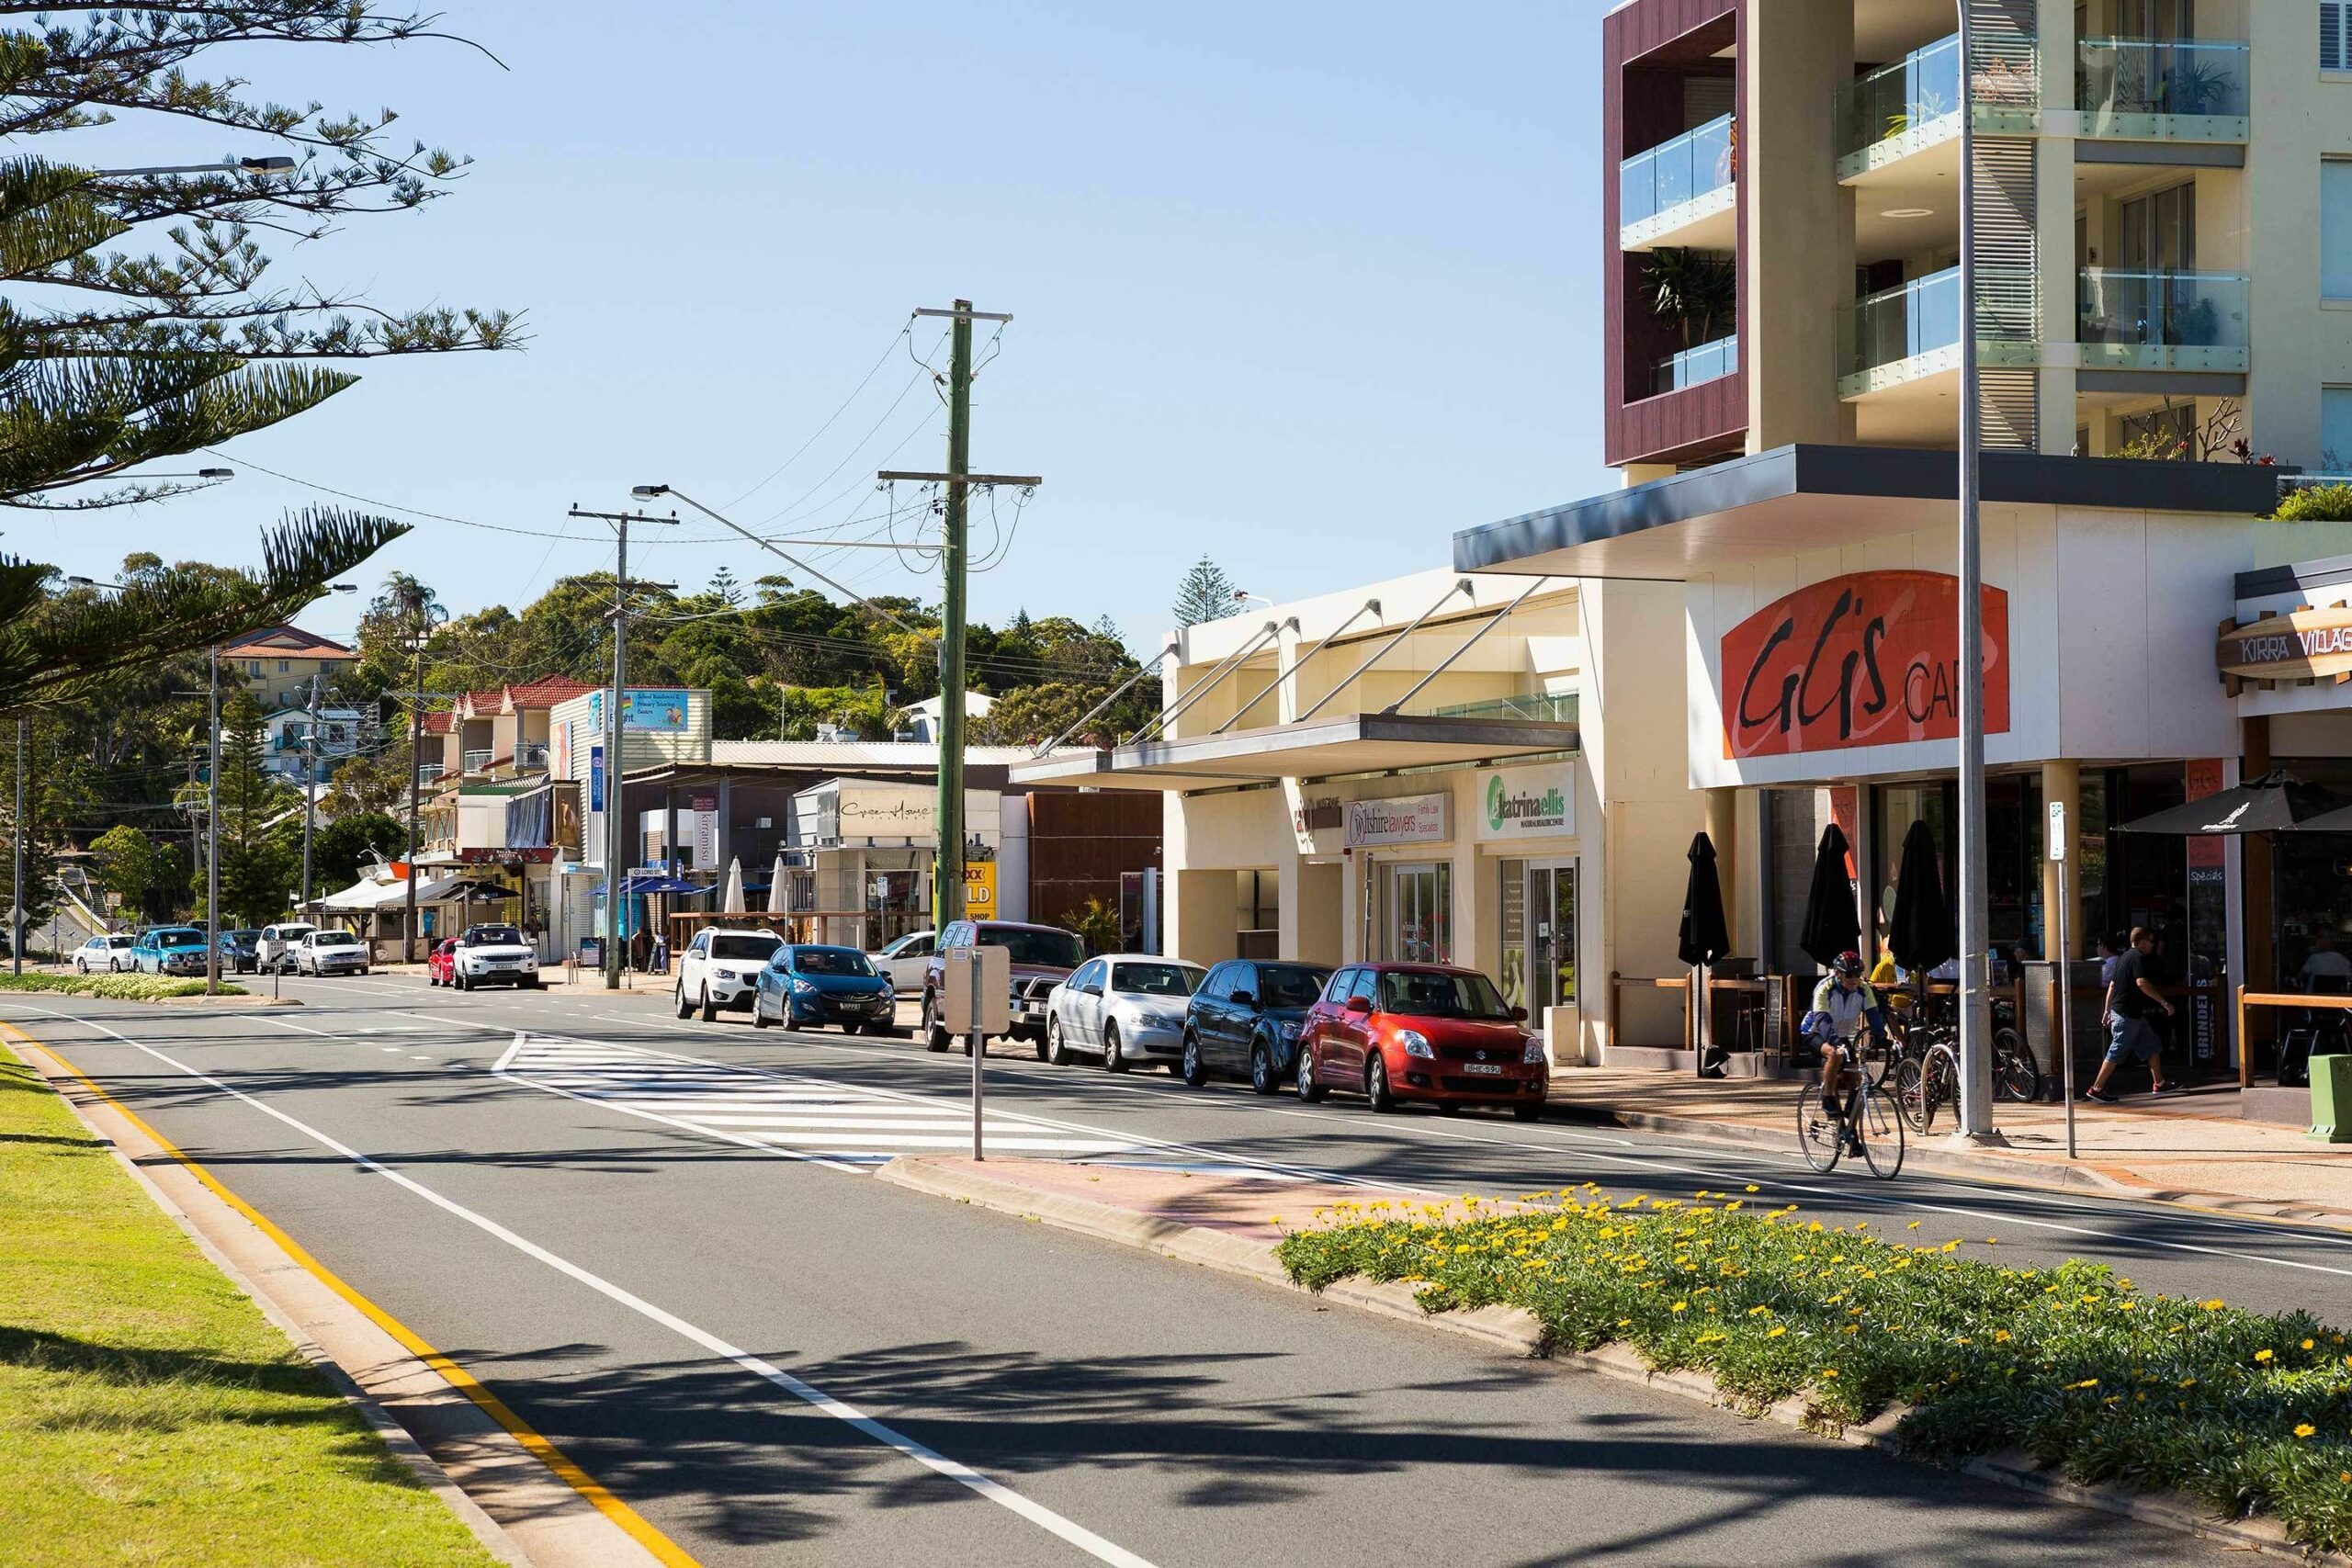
(746, 949)
(179, 939)
(122, 941)
(1421, 995)
(1289, 985)
(1043, 949)
(1155, 979)
(335, 939)
(830, 961)
(494, 936)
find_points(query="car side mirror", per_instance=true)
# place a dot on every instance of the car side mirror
(1358, 1004)
(1245, 999)
(1518, 1015)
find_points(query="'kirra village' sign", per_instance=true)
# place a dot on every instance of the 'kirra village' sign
(2300, 645)
(1866, 659)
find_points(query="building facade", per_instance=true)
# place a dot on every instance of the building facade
(278, 664)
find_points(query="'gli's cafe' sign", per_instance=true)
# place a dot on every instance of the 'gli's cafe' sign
(2301, 645)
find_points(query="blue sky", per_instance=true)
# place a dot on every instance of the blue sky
(1304, 286)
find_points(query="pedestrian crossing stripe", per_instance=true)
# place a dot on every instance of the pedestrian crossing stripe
(848, 1127)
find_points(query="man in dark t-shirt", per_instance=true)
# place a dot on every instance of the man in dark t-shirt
(2132, 999)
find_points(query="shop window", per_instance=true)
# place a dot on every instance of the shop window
(1510, 927)
(2335, 229)
(1794, 820)
(2335, 429)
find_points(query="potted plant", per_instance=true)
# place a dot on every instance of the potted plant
(1697, 290)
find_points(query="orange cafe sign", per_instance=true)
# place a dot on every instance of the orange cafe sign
(1868, 660)
(2302, 644)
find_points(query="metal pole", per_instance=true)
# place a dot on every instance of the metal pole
(310, 794)
(948, 864)
(614, 838)
(1975, 1000)
(17, 875)
(212, 834)
(979, 1046)
(2066, 1013)
(415, 772)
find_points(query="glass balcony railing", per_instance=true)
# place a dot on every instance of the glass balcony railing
(1707, 362)
(2162, 320)
(1551, 708)
(1913, 322)
(1691, 165)
(2145, 90)
(1915, 100)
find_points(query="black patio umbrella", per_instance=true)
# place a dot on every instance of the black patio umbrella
(1706, 936)
(1920, 931)
(2276, 802)
(1831, 924)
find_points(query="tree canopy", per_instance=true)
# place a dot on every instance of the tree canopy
(1205, 593)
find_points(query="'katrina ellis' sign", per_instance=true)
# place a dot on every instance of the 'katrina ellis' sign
(1870, 660)
(2302, 644)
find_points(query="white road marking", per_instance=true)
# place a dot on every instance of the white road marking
(996, 1492)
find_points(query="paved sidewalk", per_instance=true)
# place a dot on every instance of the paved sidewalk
(2195, 1147)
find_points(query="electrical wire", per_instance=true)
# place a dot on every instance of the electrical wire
(905, 333)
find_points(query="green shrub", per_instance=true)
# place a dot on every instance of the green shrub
(115, 987)
(2243, 1411)
(2316, 504)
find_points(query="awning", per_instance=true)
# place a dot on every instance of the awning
(661, 884)
(368, 895)
(1352, 743)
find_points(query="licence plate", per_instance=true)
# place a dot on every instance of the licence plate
(1486, 1069)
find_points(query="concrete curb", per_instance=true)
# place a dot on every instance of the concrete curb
(1517, 1332)
(480, 1466)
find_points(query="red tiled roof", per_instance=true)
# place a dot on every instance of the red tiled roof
(548, 691)
(439, 721)
(281, 641)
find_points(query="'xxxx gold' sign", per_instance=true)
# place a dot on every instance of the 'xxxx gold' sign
(2302, 644)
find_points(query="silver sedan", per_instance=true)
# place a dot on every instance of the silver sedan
(1125, 1007)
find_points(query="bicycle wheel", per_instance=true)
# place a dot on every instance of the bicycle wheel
(2014, 1078)
(1938, 1086)
(1879, 1127)
(1821, 1135)
(1910, 1092)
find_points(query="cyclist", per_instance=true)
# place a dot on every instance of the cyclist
(1842, 1004)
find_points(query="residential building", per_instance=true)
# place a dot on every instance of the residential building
(277, 664)
(920, 720)
(340, 732)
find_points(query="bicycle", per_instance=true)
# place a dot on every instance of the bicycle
(1870, 1124)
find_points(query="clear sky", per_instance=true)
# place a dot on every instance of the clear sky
(1305, 287)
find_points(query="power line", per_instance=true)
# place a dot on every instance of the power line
(905, 335)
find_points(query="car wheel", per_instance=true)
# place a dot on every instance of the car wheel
(1194, 1071)
(1112, 1060)
(1057, 1048)
(81, 965)
(709, 1008)
(531, 984)
(1526, 1113)
(1375, 1084)
(1447, 1108)
(1310, 1091)
(934, 1038)
(1261, 1068)
(759, 1013)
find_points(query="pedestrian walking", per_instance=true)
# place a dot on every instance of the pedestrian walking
(2130, 998)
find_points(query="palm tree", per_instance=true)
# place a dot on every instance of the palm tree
(1695, 289)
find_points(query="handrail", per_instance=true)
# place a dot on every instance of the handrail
(1461, 585)
(1281, 674)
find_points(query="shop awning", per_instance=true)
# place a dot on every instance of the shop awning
(1352, 743)
(660, 884)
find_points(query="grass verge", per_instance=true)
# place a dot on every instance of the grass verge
(148, 1412)
(116, 987)
(2246, 1412)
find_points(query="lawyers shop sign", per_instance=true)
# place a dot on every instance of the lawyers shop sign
(1868, 660)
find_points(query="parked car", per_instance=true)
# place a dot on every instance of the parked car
(1042, 957)
(110, 954)
(905, 960)
(274, 948)
(240, 951)
(324, 952)
(1245, 1021)
(1426, 1032)
(169, 950)
(494, 956)
(720, 969)
(805, 985)
(441, 962)
(1127, 1006)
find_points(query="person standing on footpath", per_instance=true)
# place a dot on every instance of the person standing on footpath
(2131, 994)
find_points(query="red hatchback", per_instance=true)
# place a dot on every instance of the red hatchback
(1399, 1032)
(441, 962)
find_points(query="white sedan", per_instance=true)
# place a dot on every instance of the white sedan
(1126, 1007)
(905, 961)
(110, 954)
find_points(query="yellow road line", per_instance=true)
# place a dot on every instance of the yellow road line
(545, 1452)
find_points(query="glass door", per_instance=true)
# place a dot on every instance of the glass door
(1551, 935)
(1419, 927)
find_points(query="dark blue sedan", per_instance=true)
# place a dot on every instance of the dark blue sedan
(803, 986)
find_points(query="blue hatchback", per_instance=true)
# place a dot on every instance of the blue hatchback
(804, 985)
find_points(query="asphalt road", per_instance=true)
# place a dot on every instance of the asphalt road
(657, 1241)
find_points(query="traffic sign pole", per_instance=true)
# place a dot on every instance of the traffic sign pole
(2065, 969)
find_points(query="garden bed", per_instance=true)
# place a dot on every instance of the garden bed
(2243, 1412)
(116, 987)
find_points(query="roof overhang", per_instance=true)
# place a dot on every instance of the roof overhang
(1353, 743)
(1794, 498)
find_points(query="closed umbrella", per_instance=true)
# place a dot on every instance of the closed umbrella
(1705, 936)
(1920, 931)
(1831, 924)
(779, 890)
(732, 902)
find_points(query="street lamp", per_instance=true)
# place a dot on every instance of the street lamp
(267, 168)
(1243, 596)
(655, 493)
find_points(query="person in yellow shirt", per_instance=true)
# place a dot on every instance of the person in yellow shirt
(1885, 971)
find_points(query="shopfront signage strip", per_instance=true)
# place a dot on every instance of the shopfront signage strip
(2301, 645)
(1534, 801)
(1406, 819)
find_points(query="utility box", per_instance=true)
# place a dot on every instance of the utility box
(979, 990)
(2331, 1099)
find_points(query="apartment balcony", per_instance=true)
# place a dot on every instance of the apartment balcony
(1679, 192)
(1911, 105)
(1898, 350)
(475, 761)
(2177, 90)
(2162, 320)
(1704, 362)
(531, 757)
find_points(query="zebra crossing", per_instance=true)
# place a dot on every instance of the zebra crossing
(846, 1127)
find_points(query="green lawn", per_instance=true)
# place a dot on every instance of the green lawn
(147, 1414)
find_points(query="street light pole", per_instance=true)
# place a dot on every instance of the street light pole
(422, 635)
(1975, 1000)
(16, 876)
(309, 794)
(213, 827)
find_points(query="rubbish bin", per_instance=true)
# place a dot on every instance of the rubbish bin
(2331, 1099)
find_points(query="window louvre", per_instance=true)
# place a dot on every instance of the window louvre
(2336, 35)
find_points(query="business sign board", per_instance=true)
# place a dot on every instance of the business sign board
(1866, 659)
(2301, 645)
(706, 814)
(979, 889)
(852, 813)
(662, 712)
(1406, 819)
(1534, 801)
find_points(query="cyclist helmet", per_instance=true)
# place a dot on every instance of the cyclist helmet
(1848, 962)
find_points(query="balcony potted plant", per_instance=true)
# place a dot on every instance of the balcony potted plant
(1695, 289)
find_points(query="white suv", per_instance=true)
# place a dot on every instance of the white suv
(494, 956)
(721, 969)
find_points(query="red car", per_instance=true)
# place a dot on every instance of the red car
(441, 963)
(1426, 1032)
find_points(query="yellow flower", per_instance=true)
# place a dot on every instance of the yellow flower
(1829, 1371)
(2087, 1382)
(2262, 1355)
(2305, 1429)
(1760, 1312)
(1274, 1219)
(2188, 1382)
(1753, 1188)
(2000, 1336)
(1913, 1225)
(2307, 1344)
(1775, 1332)
(2214, 1305)
(1681, 1306)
